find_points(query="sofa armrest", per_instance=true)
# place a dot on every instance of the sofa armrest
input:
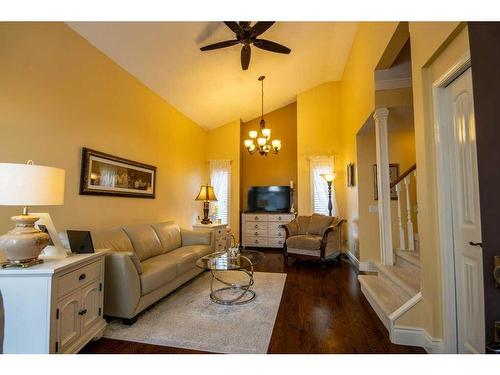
(135, 260)
(192, 237)
(122, 286)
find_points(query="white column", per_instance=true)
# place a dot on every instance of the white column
(400, 220)
(384, 194)
(409, 223)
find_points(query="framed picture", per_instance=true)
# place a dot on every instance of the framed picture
(104, 174)
(350, 175)
(393, 176)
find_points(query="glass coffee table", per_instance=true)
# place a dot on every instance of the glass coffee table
(218, 263)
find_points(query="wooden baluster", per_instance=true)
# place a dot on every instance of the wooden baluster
(409, 223)
(400, 220)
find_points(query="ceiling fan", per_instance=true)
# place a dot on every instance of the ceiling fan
(247, 35)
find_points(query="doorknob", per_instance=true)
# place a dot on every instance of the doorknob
(480, 244)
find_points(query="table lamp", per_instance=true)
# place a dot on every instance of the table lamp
(329, 177)
(207, 195)
(28, 185)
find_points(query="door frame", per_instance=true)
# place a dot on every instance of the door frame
(444, 202)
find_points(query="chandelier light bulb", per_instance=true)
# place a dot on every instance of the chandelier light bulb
(261, 141)
(253, 134)
(266, 132)
(248, 143)
(276, 144)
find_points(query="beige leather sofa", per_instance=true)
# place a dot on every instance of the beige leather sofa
(146, 263)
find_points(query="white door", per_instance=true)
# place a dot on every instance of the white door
(68, 323)
(466, 216)
(91, 305)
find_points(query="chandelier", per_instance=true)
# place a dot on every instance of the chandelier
(260, 140)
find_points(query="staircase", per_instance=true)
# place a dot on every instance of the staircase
(392, 286)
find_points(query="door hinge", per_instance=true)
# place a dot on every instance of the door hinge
(100, 287)
(57, 346)
(99, 311)
(57, 314)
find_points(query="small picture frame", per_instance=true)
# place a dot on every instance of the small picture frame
(55, 246)
(350, 175)
(393, 176)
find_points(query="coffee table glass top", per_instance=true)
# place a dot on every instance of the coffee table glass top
(220, 261)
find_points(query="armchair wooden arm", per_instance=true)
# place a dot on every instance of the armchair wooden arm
(328, 230)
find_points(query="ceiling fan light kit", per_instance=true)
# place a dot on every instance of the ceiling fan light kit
(264, 137)
(247, 35)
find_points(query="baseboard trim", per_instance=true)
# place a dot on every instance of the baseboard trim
(416, 337)
(353, 258)
(367, 266)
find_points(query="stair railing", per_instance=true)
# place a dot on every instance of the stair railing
(405, 179)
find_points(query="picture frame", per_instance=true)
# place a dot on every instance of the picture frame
(393, 176)
(350, 175)
(105, 174)
(55, 248)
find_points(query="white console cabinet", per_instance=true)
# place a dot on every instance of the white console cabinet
(219, 232)
(263, 229)
(53, 307)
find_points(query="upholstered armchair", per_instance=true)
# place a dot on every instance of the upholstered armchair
(313, 237)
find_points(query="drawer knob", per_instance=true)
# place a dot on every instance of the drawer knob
(82, 312)
(256, 241)
(279, 217)
(82, 277)
(256, 233)
(279, 234)
(256, 226)
(256, 218)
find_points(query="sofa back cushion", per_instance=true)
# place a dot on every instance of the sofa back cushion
(145, 241)
(169, 234)
(303, 222)
(318, 223)
(114, 239)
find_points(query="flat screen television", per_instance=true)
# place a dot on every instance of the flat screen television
(269, 198)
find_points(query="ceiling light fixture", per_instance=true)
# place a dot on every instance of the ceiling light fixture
(263, 138)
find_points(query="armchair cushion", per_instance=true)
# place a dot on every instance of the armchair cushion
(304, 241)
(293, 227)
(169, 234)
(303, 222)
(318, 223)
(145, 241)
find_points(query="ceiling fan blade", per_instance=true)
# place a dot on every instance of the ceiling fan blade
(224, 44)
(261, 27)
(245, 56)
(271, 46)
(235, 27)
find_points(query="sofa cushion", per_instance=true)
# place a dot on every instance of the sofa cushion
(169, 234)
(303, 222)
(318, 223)
(304, 241)
(145, 241)
(199, 250)
(198, 237)
(156, 273)
(114, 239)
(184, 257)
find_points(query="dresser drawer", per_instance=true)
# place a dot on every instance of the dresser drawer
(277, 233)
(256, 217)
(74, 279)
(283, 218)
(257, 233)
(275, 226)
(276, 242)
(219, 232)
(220, 246)
(255, 225)
(255, 241)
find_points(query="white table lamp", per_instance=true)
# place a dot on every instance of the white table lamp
(28, 185)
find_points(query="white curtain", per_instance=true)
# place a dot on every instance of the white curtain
(319, 188)
(220, 179)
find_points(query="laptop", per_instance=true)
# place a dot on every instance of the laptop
(80, 241)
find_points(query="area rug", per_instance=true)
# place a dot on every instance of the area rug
(188, 319)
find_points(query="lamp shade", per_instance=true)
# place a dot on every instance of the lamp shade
(206, 193)
(31, 185)
(328, 177)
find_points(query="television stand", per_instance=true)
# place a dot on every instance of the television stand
(263, 229)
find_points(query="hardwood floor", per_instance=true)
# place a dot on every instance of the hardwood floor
(322, 310)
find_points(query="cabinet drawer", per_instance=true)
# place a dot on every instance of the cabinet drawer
(257, 233)
(219, 246)
(277, 233)
(256, 217)
(219, 232)
(254, 225)
(74, 279)
(276, 242)
(284, 218)
(275, 226)
(256, 241)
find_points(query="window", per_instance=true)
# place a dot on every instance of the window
(319, 187)
(220, 179)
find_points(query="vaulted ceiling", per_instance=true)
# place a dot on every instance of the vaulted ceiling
(210, 87)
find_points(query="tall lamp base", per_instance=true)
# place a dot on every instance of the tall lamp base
(206, 209)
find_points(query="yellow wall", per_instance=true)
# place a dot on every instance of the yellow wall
(319, 134)
(273, 169)
(59, 93)
(224, 143)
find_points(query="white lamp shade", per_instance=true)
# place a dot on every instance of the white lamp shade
(31, 185)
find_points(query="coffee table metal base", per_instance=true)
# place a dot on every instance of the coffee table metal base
(245, 294)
